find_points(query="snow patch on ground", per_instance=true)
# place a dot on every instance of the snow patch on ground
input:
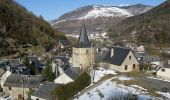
(139, 87)
(106, 12)
(164, 94)
(122, 78)
(109, 89)
(98, 74)
(159, 79)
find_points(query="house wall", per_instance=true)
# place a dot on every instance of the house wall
(130, 62)
(4, 77)
(63, 79)
(15, 91)
(162, 74)
(127, 61)
(82, 57)
(54, 67)
(111, 66)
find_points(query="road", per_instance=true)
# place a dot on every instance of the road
(159, 85)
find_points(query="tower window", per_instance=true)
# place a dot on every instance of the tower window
(129, 57)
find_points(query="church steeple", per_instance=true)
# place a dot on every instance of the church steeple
(83, 38)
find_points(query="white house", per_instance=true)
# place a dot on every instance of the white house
(68, 76)
(121, 60)
(164, 72)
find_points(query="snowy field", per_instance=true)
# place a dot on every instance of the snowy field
(109, 89)
(98, 74)
(165, 94)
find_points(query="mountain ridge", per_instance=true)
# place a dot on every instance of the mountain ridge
(95, 17)
(151, 27)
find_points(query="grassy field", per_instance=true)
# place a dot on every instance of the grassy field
(137, 80)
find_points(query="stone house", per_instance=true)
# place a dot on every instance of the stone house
(121, 60)
(19, 86)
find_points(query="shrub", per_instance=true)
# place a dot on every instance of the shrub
(144, 66)
(64, 92)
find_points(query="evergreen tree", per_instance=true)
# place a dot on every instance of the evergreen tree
(48, 73)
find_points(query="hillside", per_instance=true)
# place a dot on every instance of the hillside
(20, 27)
(150, 27)
(98, 18)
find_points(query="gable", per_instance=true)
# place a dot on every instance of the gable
(130, 59)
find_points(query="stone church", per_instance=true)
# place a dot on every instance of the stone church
(83, 52)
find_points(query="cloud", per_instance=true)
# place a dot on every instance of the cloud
(121, 5)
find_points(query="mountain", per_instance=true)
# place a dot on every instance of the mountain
(20, 27)
(150, 27)
(97, 18)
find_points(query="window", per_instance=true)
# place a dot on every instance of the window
(87, 51)
(20, 97)
(10, 88)
(126, 67)
(129, 57)
(134, 66)
(163, 70)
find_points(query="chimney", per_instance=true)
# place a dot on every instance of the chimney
(112, 52)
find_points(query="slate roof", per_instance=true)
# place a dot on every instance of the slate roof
(4, 64)
(45, 90)
(15, 80)
(62, 58)
(150, 58)
(14, 62)
(83, 38)
(119, 56)
(72, 74)
(64, 42)
(166, 66)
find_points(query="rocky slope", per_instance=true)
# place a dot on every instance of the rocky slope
(20, 27)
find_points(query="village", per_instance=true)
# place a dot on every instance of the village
(116, 70)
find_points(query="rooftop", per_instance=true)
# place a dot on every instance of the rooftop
(30, 81)
(71, 73)
(45, 90)
(83, 38)
(118, 57)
